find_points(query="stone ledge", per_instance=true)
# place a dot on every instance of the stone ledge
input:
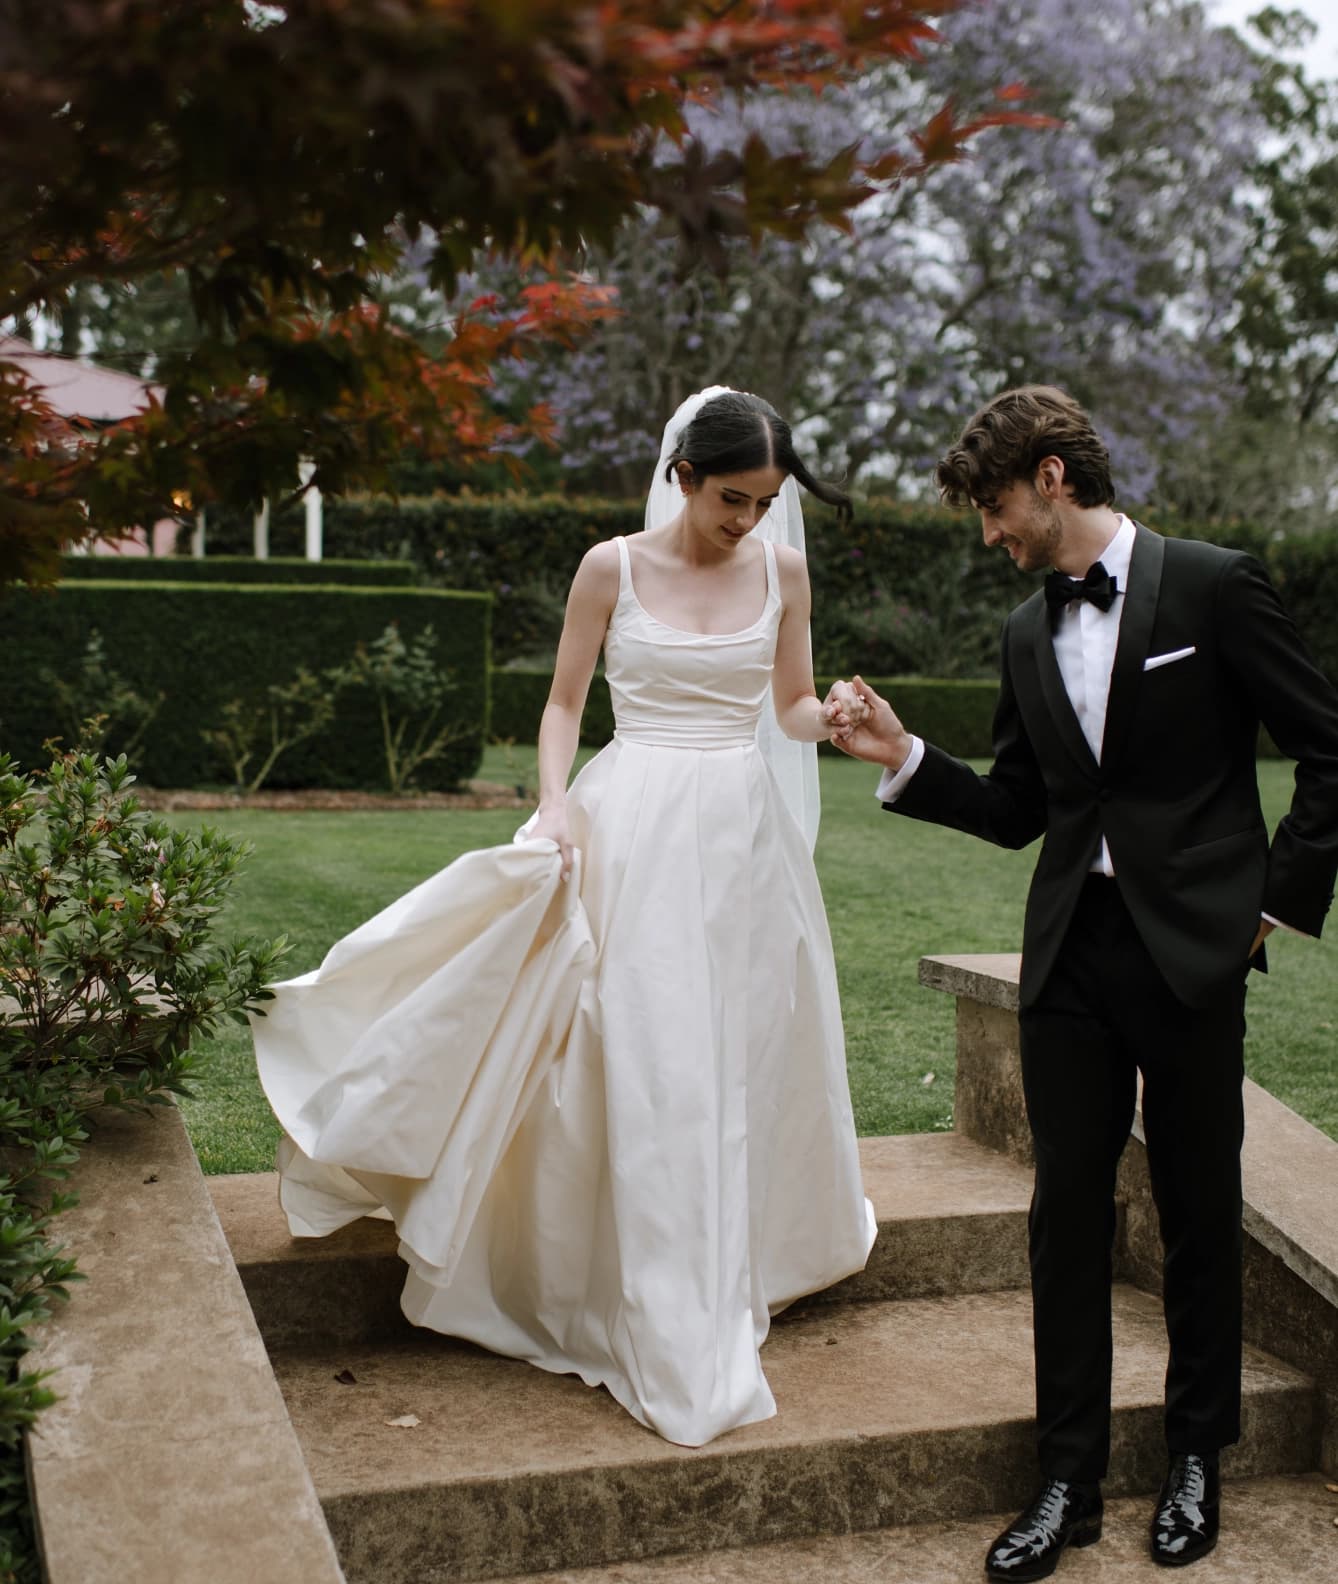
(1289, 1176)
(170, 1457)
(989, 978)
(1290, 1169)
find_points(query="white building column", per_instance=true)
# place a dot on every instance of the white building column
(197, 537)
(315, 511)
(260, 533)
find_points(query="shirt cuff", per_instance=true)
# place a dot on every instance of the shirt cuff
(1290, 928)
(894, 782)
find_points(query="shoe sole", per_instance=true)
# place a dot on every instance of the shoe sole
(1082, 1535)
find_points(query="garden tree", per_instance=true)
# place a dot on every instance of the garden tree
(1288, 334)
(1073, 256)
(1272, 459)
(279, 157)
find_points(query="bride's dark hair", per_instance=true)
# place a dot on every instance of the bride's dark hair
(737, 432)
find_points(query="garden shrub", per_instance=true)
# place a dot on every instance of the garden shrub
(108, 972)
(956, 715)
(207, 644)
(237, 569)
(904, 588)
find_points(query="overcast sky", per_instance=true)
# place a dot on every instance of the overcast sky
(1323, 56)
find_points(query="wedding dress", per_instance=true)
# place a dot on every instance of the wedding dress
(610, 1118)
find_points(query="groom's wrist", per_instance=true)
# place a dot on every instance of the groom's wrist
(898, 752)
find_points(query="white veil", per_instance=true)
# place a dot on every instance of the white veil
(794, 764)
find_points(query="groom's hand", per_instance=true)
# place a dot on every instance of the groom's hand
(843, 709)
(879, 738)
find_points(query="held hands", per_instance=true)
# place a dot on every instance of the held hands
(843, 709)
(865, 726)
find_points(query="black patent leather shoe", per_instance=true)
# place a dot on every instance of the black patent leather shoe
(1062, 1513)
(1184, 1526)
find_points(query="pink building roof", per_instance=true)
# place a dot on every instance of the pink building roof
(76, 389)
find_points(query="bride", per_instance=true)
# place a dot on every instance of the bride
(597, 1078)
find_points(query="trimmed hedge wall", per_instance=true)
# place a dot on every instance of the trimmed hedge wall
(202, 644)
(237, 569)
(957, 716)
(903, 590)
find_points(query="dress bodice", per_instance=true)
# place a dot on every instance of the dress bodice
(680, 689)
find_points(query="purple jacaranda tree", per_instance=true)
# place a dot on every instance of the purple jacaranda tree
(1105, 256)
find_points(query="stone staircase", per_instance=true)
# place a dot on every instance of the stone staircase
(905, 1400)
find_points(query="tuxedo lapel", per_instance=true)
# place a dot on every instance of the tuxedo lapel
(1140, 610)
(1058, 704)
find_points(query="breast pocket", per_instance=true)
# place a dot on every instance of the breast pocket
(1171, 657)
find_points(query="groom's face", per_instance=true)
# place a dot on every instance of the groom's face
(1026, 525)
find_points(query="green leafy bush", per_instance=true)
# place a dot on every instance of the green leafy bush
(413, 697)
(957, 715)
(206, 644)
(97, 707)
(902, 588)
(248, 731)
(108, 972)
(238, 569)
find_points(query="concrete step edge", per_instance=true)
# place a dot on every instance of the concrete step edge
(952, 1219)
(1275, 1530)
(568, 1480)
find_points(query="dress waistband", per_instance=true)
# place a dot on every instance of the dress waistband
(695, 741)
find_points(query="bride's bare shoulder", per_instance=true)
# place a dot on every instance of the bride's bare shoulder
(598, 574)
(791, 565)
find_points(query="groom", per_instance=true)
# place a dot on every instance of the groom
(1132, 689)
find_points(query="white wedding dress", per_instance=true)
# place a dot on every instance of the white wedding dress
(610, 1118)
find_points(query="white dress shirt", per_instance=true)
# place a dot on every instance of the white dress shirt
(1085, 640)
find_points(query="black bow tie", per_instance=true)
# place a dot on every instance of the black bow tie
(1098, 587)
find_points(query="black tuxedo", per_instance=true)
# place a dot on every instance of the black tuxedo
(1147, 971)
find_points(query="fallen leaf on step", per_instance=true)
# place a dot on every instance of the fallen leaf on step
(927, 1079)
(831, 1341)
(347, 1378)
(404, 1422)
(1333, 1488)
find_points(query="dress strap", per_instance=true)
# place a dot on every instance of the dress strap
(624, 567)
(773, 575)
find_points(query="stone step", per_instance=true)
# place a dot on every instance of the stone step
(890, 1414)
(1275, 1530)
(951, 1214)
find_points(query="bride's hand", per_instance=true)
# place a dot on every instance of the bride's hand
(552, 824)
(844, 709)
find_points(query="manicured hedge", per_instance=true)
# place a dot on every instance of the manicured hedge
(203, 644)
(517, 706)
(955, 715)
(238, 569)
(903, 589)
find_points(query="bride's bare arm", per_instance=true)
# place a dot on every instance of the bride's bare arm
(798, 709)
(594, 592)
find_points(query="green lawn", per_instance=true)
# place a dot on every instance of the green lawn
(896, 891)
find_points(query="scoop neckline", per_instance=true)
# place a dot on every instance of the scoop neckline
(688, 632)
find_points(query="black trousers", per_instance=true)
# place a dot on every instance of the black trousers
(1105, 1014)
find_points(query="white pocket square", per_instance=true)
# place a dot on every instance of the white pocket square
(1153, 661)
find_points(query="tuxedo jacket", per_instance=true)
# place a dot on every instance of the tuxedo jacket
(1206, 652)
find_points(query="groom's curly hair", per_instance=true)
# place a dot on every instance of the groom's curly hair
(1009, 438)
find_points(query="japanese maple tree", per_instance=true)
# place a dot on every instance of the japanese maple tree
(281, 158)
